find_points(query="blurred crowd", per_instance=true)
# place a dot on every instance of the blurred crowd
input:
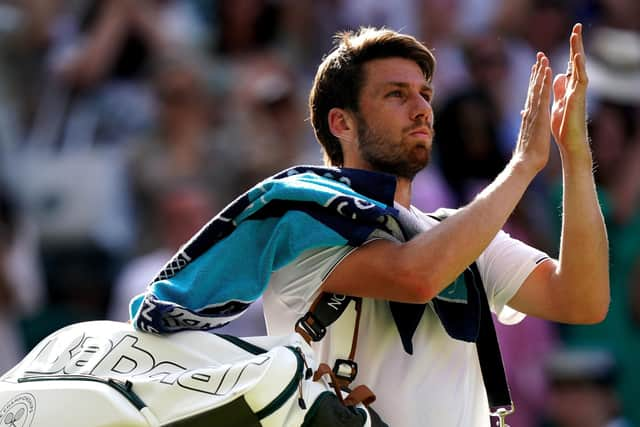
(125, 125)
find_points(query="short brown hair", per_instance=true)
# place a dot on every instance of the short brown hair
(340, 76)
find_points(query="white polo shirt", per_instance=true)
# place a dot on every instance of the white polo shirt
(441, 383)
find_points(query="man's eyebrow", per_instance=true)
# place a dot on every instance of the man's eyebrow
(426, 87)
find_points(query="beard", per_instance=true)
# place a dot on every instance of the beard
(394, 157)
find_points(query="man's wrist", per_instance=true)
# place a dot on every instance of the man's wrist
(522, 168)
(577, 157)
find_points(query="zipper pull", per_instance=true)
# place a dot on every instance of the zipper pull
(301, 403)
(308, 372)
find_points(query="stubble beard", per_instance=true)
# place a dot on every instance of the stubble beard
(390, 157)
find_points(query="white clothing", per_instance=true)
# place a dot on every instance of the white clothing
(441, 383)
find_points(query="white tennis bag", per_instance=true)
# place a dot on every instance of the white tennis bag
(106, 373)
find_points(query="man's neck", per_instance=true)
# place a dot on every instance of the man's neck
(403, 192)
(403, 185)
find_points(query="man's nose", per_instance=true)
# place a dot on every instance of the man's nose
(421, 108)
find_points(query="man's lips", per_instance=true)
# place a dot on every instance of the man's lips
(422, 132)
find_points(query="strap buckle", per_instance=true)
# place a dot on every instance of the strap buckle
(501, 412)
(345, 370)
(311, 326)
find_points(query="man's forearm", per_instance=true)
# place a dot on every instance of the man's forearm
(437, 257)
(583, 268)
(443, 252)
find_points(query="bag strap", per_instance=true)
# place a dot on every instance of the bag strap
(487, 345)
(324, 311)
(328, 307)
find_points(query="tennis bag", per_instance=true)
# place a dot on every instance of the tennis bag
(105, 373)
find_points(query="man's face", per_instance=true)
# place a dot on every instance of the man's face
(395, 121)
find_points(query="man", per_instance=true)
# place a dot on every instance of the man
(351, 230)
(371, 110)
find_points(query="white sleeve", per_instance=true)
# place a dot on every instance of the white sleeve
(298, 283)
(504, 266)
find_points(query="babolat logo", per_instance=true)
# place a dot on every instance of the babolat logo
(129, 357)
(19, 411)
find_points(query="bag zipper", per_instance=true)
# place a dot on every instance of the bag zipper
(122, 387)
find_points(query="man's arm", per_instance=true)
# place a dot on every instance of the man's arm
(418, 270)
(575, 289)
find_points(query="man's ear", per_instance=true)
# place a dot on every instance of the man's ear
(342, 124)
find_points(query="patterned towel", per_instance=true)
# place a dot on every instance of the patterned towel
(226, 266)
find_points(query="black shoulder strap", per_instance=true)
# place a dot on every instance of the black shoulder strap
(328, 307)
(491, 364)
(324, 311)
(487, 345)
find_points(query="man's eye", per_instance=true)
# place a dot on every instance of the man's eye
(395, 93)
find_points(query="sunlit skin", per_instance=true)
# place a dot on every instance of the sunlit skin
(393, 130)
(395, 118)
(569, 107)
(569, 129)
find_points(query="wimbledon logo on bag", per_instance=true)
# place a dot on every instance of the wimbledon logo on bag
(126, 359)
(19, 411)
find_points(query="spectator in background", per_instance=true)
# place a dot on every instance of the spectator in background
(245, 27)
(252, 59)
(468, 122)
(28, 33)
(475, 124)
(614, 129)
(21, 288)
(524, 348)
(110, 47)
(621, 14)
(517, 27)
(181, 147)
(104, 63)
(302, 22)
(91, 97)
(467, 143)
(616, 152)
(399, 14)
(264, 133)
(10, 354)
(437, 24)
(178, 213)
(582, 390)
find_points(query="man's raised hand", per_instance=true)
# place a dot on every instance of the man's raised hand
(535, 135)
(568, 114)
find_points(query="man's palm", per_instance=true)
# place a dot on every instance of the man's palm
(569, 97)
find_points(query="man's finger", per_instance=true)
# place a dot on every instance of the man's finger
(546, 88)
(559, 84)
(575, 46)
(581, 67)
(532, 79)
(540, 76)
(579, 39)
